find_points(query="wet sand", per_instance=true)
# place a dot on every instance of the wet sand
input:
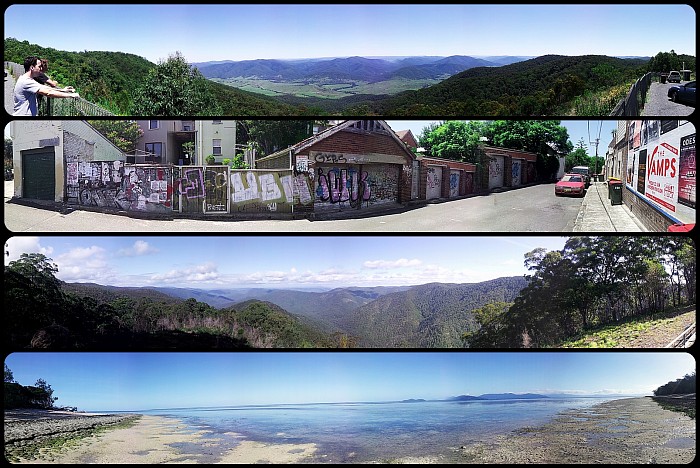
(632, 430)
(155, 439)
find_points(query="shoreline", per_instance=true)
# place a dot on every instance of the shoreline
(630, 430)
(150, 439)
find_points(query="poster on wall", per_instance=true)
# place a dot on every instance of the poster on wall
(641, 170)
(662, 169)
(687, 172)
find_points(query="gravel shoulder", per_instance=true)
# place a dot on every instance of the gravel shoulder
(631, 430)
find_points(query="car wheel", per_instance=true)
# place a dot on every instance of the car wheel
(674, 97)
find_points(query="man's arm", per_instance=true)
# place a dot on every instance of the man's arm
(51, 92)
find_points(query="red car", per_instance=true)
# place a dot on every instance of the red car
(570, 184)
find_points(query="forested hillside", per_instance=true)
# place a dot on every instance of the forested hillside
(427, 316)
(113, 79)
(541, 86)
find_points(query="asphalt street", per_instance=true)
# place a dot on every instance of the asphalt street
(659, 104)
(528, 209)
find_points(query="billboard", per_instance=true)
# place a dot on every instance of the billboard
(661, 165)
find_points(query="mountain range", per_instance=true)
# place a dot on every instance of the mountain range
(429, 315)
(350, 68)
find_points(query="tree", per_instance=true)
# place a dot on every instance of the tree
(174, 88)
(123, 133)
(273, 135)
(9, 378)
(45, 397)
(8, 153)
(452, 139)
(536, 136)
(578, 157)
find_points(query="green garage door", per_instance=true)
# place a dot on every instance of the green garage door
(38, 174)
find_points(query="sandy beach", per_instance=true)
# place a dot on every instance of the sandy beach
(632, 430)
(155, 439)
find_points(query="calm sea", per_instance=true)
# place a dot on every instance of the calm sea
(357, 432)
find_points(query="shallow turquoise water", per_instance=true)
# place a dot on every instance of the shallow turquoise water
(356, 432)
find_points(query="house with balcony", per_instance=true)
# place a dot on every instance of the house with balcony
(168, 142)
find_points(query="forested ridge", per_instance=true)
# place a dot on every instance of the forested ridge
(113, 80)
(590, 284)
(541, 86)
(592, 281)
(128, 84)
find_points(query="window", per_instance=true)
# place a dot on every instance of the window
(217, 122)
(155, 151)
(153, 124)
(216, 147)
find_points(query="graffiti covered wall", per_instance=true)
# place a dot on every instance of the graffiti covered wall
(263, 191)
(356, 186)
(111, 184)
(495, 171)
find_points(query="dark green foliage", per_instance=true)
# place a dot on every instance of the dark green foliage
(664, 62)
(272, 135)
(428, 316)
(595, 281)
(681, 386)
(108, 79)
(38, 396)
(111, 80)
(267, 325)
(542, 86)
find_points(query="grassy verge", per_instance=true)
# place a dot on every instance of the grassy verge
(46, 446)
(628, 333)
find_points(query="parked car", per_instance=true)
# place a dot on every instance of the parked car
(583, 171)
(570, 184)
(674, 77)
(683, 93)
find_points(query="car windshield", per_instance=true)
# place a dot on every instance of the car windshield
(571, 178)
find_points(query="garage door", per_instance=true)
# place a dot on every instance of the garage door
(495, 171)
(39, 174)
(434, 183)
(454, 183)
(517, 170)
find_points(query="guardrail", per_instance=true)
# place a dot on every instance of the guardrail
(61, 107)
(74, 107)
(685, 339)
(632, 105)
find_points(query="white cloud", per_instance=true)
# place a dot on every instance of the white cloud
(400, 263)
(85, 264)
(16, 246)
(207, 272)
(139, 248)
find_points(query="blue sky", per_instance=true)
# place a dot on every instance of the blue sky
(589, 130)
(242, 32)
(136, 381)
(284, 261)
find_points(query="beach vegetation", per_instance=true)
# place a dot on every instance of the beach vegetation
(48, 447)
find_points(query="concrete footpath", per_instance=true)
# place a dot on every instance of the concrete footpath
(597, 214)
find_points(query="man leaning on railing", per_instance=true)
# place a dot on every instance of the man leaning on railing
(27, 88)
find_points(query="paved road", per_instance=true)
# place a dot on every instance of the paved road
(530, 209)
(659, 104)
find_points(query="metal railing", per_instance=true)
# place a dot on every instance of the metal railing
(685, 339)
(61, 107)
(632, 105)
(74, 107)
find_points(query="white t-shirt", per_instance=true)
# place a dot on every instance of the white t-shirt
(25, 96)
